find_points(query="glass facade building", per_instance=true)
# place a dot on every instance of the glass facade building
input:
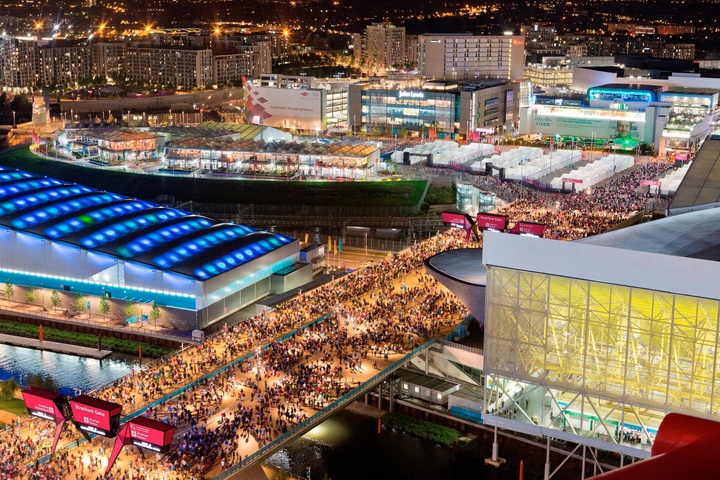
(410, 109)
(599, 351)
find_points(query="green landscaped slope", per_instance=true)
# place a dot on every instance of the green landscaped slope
(337, 194)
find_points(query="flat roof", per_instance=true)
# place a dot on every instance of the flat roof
(701, 185)
(628, 86)
(690, 235)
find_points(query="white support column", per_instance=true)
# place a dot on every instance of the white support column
(582, 475)
(547, 460)
(495, 460)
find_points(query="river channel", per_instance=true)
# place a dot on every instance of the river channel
(68, 371)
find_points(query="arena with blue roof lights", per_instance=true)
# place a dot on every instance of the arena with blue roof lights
(78, 240)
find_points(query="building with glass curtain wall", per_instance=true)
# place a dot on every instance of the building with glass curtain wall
(606, 335)
(78, 240)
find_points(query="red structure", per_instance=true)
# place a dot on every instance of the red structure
(96, 416)
(48, 405)
(142, 432)
(685, 447)
(492, 221)
(529, 228)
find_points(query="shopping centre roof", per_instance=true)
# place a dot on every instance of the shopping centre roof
(162, 237)
(701, 186)
(338, 149)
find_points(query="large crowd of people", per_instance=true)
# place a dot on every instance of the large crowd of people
(370, 318)
(588, 212)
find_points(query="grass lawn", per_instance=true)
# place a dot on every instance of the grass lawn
(16, 406)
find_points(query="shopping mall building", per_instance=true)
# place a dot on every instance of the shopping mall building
(675, 120)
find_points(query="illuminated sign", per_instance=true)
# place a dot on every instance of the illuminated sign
(49, 406)
(456, 220)
(529, 228)
(143, 433)
(490, 221)
(96, 416)
(42, 404)
(410, 94)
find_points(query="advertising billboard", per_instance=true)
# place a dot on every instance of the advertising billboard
(491, 221)
(44, 404)
(147, 433)
(96, 416)
(615, 126)
(529, 228)
(303, 109)
(456, 220)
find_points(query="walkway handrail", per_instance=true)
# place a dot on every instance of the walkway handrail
(338, 404)
(459, 346)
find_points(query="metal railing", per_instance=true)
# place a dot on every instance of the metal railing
(325, 413)
(459, 346)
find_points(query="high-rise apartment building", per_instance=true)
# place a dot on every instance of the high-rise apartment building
(186, 68)
(63, 63)
(462, 56)
(108, 59)
(18, 62)
(383, 46)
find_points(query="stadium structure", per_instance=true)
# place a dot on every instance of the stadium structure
(81, 241)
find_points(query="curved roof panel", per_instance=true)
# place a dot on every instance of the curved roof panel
(139, 231)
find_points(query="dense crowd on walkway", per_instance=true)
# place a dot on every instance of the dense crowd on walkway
(371, 317)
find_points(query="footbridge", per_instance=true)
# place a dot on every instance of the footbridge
(263, 453)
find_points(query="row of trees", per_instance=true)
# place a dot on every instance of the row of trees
(79, 302)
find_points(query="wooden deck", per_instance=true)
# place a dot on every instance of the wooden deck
(54, 347)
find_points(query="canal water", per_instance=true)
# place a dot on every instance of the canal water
(348, 447)
(68, 371)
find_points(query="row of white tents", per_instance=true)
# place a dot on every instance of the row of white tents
(594, 173)
(445, 152)
(530, 162)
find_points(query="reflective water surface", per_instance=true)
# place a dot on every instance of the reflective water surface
(70, 372)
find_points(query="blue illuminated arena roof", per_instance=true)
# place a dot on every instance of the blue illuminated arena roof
(162, 237)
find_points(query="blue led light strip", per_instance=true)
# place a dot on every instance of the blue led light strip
(200, 244)
(128, 226)
(241, 255)
(37, 198)
(56, 209)
(163, 235)
(19, 187)
(89, 219)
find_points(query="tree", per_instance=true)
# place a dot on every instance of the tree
(155, 312)
(55, 299)
(129, 309)
(31, 295)
(9, 290)
(8, 389)
(104, 305)
(41, 380)
(78, 302)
